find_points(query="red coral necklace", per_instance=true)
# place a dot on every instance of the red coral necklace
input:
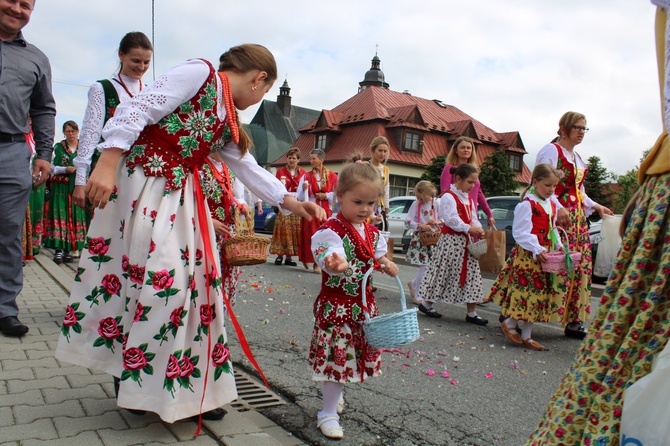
(231, 111)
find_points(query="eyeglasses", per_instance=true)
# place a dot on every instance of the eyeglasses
(579, 128)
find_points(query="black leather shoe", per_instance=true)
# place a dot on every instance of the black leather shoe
(11, 326)
(58, 257)
(278, 260)
(477, 320)
(575, 331)
(289, 262)
(430, 312)
(67, 258)
(117, 384)
(214, 414)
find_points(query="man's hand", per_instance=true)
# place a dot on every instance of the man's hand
(41, 171)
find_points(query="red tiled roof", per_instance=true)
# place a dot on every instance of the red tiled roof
(379, 111)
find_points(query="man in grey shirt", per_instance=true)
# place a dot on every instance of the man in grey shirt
(25, 90)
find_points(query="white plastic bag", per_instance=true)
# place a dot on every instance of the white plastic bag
(644, 419)
(608, 246)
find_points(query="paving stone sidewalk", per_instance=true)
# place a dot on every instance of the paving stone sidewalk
(45, 402)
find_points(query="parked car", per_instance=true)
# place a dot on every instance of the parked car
(400, 233)
(502, 209)
(265, 222)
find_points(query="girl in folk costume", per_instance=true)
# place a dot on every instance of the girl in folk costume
(422, 216)
(146, 305)
(135, 51)
(574, 207)
(65, 223)
(453, 273)
(346, 247)
(318, 186)
(286, 232)
(222, 199)
(524, 291)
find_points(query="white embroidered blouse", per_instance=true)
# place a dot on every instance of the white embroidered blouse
(94, 116)
(426, 212)
(522, 225)
(448, 211)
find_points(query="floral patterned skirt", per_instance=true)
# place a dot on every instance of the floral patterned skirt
(578, 286)
(140, 308)
(441, 282)
(417, 254)
(631, 327)
(286, 235)
(525, 292)
(340, 353)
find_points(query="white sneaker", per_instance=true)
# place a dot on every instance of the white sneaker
(330, 431)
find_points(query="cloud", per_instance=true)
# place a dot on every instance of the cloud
(513, 65)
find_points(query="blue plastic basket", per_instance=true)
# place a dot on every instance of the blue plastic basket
(390, 330)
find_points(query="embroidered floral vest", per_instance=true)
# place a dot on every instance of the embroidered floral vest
(464, 213)
(181, 141)
(340, 300)
(218, 190)
(316, 187)
(62, 157)
(566, 189)
(540, 221)
(290, 181)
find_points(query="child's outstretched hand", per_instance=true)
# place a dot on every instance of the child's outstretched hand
(389, 267)
(336, 263)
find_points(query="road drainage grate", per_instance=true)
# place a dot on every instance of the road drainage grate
(252, 395)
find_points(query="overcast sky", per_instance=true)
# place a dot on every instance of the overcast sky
(514, 65)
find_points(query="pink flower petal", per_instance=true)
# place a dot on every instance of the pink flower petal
(446, 374)
(454, 382)
(489, 375)
(430, 372)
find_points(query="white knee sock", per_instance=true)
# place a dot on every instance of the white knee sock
(416, 283)
(510, 322)
(331, 395)
(526, 329)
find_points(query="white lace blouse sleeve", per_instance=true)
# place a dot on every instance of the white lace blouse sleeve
(382, 247)
(547, 155)
(521, 228)
(411, 220)
(169, 91)
(91, 129)
(238, 190)
(325, 242)
(261, 182)
(449, 214)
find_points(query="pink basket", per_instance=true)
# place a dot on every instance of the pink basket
(555, 262)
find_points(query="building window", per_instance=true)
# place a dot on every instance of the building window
(400, 186)
(515, 161)
(321, 142)
(412, 142)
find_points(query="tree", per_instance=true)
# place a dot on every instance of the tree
(627, 187)
(434, 171)
(497, 176)
(596, 183)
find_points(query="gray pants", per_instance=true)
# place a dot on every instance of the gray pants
(15, 186)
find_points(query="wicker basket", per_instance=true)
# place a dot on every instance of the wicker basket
(429, 238)
(556, 260)
(478, 248)
(390, 330)
(244, 250)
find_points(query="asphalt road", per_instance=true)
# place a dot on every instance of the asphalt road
(459, 384)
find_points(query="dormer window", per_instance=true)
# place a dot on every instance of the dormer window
(412, 141)
(515, 161)
(321, 141)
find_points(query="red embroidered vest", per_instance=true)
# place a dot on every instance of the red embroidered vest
(181, 141)
(340, 300)
(290, 181)
(464, 213)
(540, 221)
(218, 189)
(566, 189)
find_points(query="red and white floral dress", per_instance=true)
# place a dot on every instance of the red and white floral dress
(146, 305)
(338, 351)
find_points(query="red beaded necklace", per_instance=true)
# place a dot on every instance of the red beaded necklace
(123, 84)
(231, 111)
